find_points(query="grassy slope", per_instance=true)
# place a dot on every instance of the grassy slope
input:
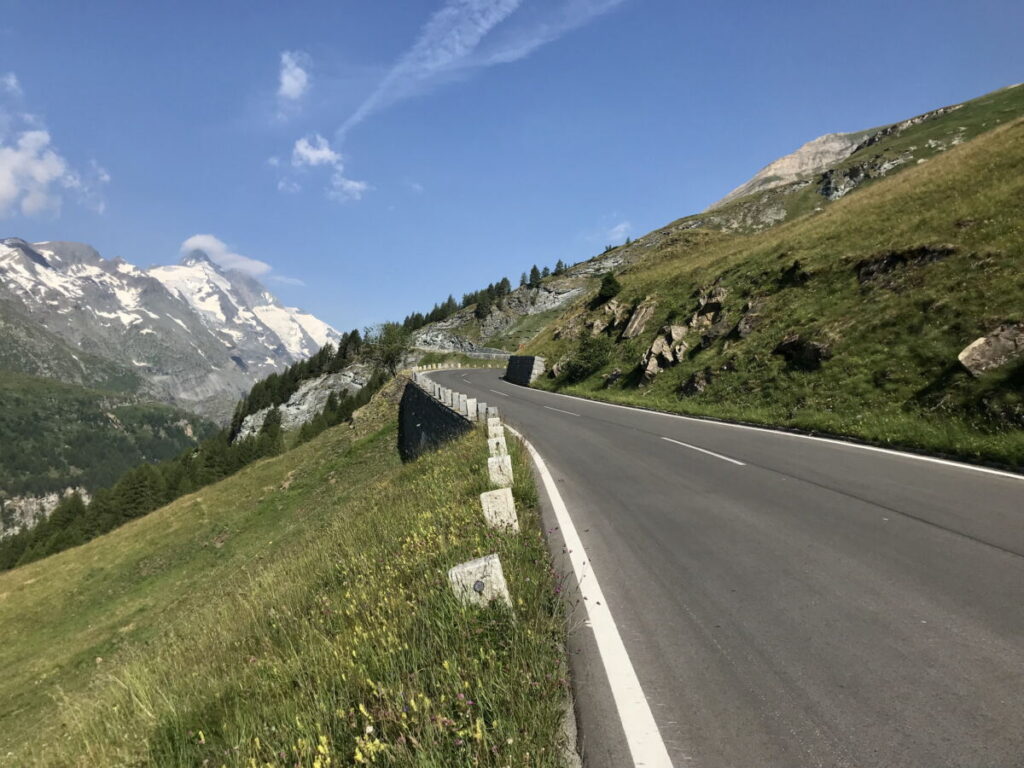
(282, 614)
(894, 376)
(58, 434)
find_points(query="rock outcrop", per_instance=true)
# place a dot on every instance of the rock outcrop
(666, 350)
(309, 399)
(453, 333)
(641, 315)
(1003, 345)
(23, 512)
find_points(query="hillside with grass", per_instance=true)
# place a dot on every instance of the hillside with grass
(297, 613)
(848, 320)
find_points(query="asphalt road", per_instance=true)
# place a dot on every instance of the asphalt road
(787, 601)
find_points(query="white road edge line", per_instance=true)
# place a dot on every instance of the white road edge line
(559, 410)
(704, 450)
(645, 743)
(780, 433)
(497, 392)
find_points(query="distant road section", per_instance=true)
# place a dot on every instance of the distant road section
(786, 601)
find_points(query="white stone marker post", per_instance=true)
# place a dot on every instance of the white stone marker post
(471, 408)
(496, 446)
(463, 405)
(480, 581)
(500, 470)
(481, 411)
(500, 509)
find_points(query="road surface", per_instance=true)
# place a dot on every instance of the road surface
(786, 601)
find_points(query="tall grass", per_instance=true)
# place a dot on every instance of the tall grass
(340, 642)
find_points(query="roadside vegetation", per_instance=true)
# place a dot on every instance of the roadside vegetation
(295, 614)
(882, 289)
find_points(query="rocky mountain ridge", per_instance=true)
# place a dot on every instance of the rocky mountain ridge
(829, 167)
(192, 334)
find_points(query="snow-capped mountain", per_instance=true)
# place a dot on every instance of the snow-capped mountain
(197, 334)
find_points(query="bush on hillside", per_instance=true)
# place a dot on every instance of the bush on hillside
(592, 355)
(610, 288)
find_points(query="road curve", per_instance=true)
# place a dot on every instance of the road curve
(787, 601)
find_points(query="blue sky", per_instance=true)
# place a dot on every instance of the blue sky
(367, 157)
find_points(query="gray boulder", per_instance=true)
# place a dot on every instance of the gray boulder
(641, 315)
(1004, 344)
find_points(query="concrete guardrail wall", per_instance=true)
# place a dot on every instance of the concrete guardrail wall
(424, 423)
(523, 369)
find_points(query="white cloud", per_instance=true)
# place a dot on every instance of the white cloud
(293, 80)
(560, 19)
(221, 254)
(619, 232)
(287, 280)
(34, 175)
(454, 39)
(31, 173)
(451, 34)
(315, 151)
(288, 186)
(414, 186)
(343, 189)
(9, 83)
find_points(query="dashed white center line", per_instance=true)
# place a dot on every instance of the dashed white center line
(703, 450)
(560, 410)
(497, 392)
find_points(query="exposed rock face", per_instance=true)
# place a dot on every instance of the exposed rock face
(801, 354)
(838, 182)
(639, 319)
(666, 350)
(835, 164)
(875, 268)
(310, 398)
(1003, 345)
(23, 512)
(813, 157)
(897, 128)
(436, 337)
(612, 315)
(448, 335)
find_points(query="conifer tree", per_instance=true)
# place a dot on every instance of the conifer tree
(534, 277)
